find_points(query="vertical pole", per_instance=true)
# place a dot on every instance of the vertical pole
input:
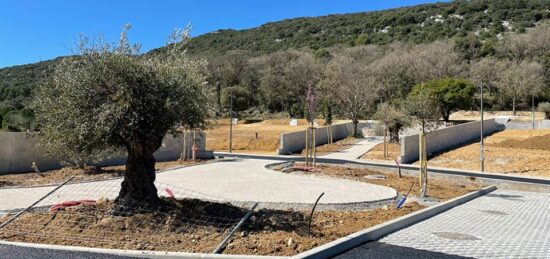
(533, 110)
(421, 157)
(314, 146)
(481, 144)
(183, 153)
(307, 146)
(231, 124)
(385, 142)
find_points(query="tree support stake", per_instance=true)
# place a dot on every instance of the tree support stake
(221, 246)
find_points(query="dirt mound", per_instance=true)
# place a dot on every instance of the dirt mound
(536, 142)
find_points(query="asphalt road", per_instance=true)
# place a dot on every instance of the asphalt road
(387, 251)
(17, 252)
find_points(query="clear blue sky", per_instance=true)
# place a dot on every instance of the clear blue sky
(33, 30)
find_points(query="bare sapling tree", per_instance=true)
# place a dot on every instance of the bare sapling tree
(353, 85)
(519, 81)
(110, 97)
(423, 107)
(310, 132)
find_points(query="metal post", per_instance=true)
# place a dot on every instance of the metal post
(533, 110)
(481, 146)
(314, 146)
(231, 124)
(36, 202)
(385, 142)
(226, 239)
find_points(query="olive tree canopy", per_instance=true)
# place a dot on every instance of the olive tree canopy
(110, 97)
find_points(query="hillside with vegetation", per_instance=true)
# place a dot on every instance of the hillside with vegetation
(267, 69)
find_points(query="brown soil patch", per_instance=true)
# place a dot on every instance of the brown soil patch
(440, 189)
(510, 151)
(337, 146)
(87, 174)
(377, 152)
(193, 226)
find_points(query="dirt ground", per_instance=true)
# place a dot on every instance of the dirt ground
(194, 226)
(474, 115)
(87, 174)
(524, 152)
(439, 189)
(244, 135)
(336, 146)
(377, 152)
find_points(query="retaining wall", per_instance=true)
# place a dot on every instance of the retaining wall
(18, 150)
(294, 142)
(444, 139)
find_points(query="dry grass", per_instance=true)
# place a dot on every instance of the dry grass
(377, 152)
(336, 146)
(511, 151)
(244, 135)
(474, 115)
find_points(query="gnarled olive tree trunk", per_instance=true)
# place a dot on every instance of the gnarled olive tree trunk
(138, 186)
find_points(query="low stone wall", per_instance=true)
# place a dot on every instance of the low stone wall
(444, 139)
(19, 150)
(294, 142)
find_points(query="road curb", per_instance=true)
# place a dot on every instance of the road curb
(374, 233)
(135, 253)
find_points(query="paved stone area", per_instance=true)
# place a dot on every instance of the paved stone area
(239, 180)
(387, 251)
(357, 150)
(502, 224)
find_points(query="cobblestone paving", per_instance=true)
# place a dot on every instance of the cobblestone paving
(502, 224)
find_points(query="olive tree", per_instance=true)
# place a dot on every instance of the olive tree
(109, 97)
(394, 119)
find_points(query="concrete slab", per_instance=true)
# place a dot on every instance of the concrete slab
(240, 180)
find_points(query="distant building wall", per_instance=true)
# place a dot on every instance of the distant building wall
(19, 150)
(444, 139)
(294, 142)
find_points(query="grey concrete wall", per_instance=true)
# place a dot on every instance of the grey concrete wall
(18, 150)
(294, 142)
(526, 125)
(444, 139)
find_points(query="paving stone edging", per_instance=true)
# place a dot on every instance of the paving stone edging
(376, 232)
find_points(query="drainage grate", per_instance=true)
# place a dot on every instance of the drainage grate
(512, 197)
(495, 212)
(456, 236)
